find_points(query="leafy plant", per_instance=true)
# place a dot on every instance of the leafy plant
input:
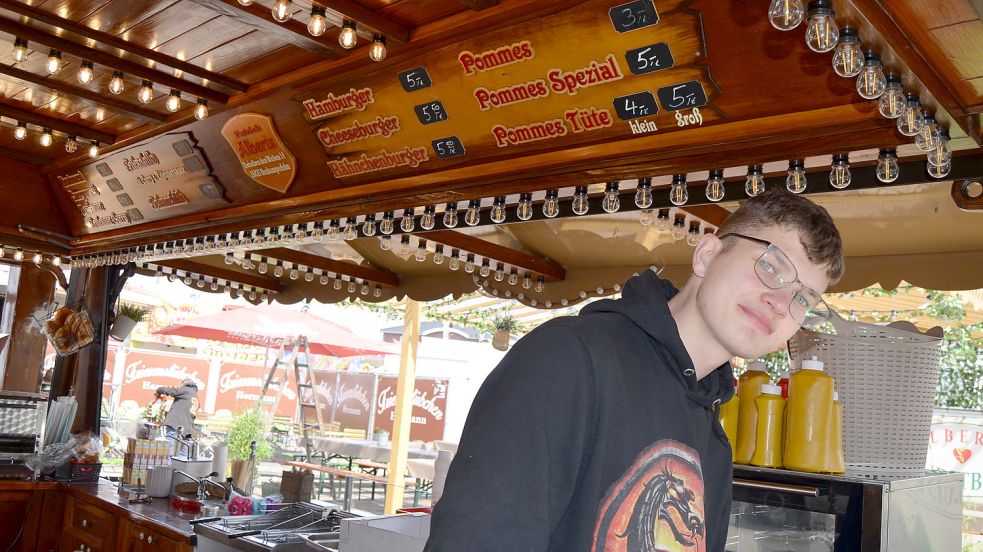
(132, 312)
(506, 323)
(248, 426)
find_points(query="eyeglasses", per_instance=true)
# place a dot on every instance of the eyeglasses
(776, 271)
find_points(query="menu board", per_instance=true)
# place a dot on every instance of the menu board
(598, 71)
(162, 178)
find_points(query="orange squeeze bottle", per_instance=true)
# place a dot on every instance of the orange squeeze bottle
(749, 387)
(729, 413)
(810, 412)
(771, 427)
(834, 451)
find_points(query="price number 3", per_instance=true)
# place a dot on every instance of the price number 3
(633, 15)
(430, 113)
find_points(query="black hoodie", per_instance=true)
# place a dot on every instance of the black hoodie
(593, 434)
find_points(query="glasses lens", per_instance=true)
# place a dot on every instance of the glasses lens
(775, 269)
(808, 308)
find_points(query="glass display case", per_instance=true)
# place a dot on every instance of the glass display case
(786, 511)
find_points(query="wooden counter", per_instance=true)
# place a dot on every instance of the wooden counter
(89, 517)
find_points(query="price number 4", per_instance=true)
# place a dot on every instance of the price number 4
(636, 109)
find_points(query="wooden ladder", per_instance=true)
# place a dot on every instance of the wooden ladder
(296, 352)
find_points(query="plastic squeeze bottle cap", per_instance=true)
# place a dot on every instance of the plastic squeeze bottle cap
(784, 375)
(836, 396)
(771, 389)
(812, 364)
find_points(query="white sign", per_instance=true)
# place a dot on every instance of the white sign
(958, 447)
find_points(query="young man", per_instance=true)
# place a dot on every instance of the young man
(600, 432)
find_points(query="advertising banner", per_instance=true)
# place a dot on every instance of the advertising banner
(958, 447)
(429, 407)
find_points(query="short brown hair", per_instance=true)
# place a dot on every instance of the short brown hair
(777, 207)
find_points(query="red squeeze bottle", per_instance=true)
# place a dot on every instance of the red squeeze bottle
(783, 383)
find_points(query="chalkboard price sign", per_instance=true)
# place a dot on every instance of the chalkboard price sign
(448, 147)
(633, 15)
(432, 112)
(415, 79)
(655, 57)
(682, 96)
(633, 106)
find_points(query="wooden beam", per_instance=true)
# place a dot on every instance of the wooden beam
(96, 56)
(478, 5)
(403, 410)
(292, 32)
(65, 89)
(56, 124)
(17, 155)
(383, 277)
(394, 32)
(550, 270)
(114, 42)
(711, 213)
(245, 278)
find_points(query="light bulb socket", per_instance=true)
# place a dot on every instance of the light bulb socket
(944, 134)
(912, 99)
(872, 58)
(500, 201)
(474, 204)
(841, 159)
(929, 119)
(680, 221)
(679, 179)
(716, 174)
(86, 64)
(318, 10)
(349, 24)
(893, 80)
(644, 182)
(887, 153)
(430, 209)
(379, 39)
(20, 43)
(525, 197)
(820, 7)
(611, 186)
(796, 165)
(581, 191)
(451, 207)
(694, 227)
(849, 35)
(663, 214)
(755, 170)
(552, 194)
(389, 215)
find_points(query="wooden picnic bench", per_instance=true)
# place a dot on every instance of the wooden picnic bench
(349, 478)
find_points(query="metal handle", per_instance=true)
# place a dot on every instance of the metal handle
(779, 487)
(141, 535)
(150, 539)
(241, 534)
(85, 523)
(203, 520)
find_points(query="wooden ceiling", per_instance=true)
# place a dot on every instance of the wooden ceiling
(774, 100)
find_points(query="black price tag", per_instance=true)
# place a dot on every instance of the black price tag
(432, 112)
(415, 79)
(655, 57)
(682, 96)
(448, 147)
(633, 15)
(633, 106)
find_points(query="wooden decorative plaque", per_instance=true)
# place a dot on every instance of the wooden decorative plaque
(260, 150)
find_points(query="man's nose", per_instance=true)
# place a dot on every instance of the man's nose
(778, 299)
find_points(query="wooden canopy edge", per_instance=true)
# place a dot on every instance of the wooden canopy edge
(254, 280)
(383, 277)
(550, 270)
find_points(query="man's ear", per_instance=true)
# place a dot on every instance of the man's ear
(708, 246)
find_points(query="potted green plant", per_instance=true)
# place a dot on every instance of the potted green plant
(504, 326)
(247, 427)
(127, 317)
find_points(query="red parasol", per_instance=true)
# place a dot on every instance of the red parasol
(270, 326)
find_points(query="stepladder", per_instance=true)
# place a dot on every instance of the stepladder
(293, 358)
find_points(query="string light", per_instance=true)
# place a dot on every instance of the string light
(334, 230)
(85, 73)
(679, 227)
(498, 210)
(438, 255)
(201, 109)
(662, 221)
(20, 132)
(46, 138)
(848, 59)
(18, 255)
(551, 205)
(20, 49)
(455, 262)
(385, 243)
(318, 23)
(469, 263)
(942, 153)
(928, 137)
(351, 229)
(368, 226)
(887, 166)
(892, 103)
(348, 36)
(93, 149)
(611, 202)
(386, 226)
(839, 172)
(822, 33)
(911, 122)
(678, 194)
(53, 65)
(485, 269)
(281, 11)
(643, 193)
(146, 92)
(450, 215)
(404, 245)
(796, 181)
(116, 84)
(377, 52)
(693, 234)
(715, 185)
(173, 100)
(754, 184)
(524, 210)
(408, 222)
(580, 203)
(429, 218)
(645, 217)
(473, 215)
(871, 82)
(786, 15)
(499, 272)
(246, 2)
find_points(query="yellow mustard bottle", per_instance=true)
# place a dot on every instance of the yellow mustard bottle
(729, 413)
(834, 451)
(770, 407)
(749, 387)
(810, 411)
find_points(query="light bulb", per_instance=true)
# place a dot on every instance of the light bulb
(438, 255)
(281, 11)
(796, 181)
(450, 215)
(20, 132)
(611, 202)
(679, 227)
(754, 184)
(580, 203)
(348, 36)
(942, 153)
(514, 278)
(912, 121)
(473, 215)
(146, 92)
(173, 100)
(421, 251)
(387, 225)
(497, 213)
(551, 205)
(646, 217)
(213, 286)
(368, 226)
(822, 33)
(386, 243)
(524, 210)
(337, 284)
(263, 267)
(662, 221)
(377, 292)
(485, 269)
(469, 264)
(334, 230)
(499, 272)
(201, 109)
(46, 139)
(37, 259)
(871, 82)
(429, 218)
(887, 166)
(93, 149)
(715, 185)
(404, 245)
(323, 280)
(18, 255)
(643, 193)
(377, 52)
(116, 84)
(839, 171)
(408, 222)
(85, 73)
(540, 285)
(526, 281)
(848, 59)
(786, 15)
(229, 259)
(246, 2)
(892, 103)
(317, 24)
(294, 274)
(351, 229)
(455, 263)
(56, 260)
(364, 290)
(352, 286)
(928, 137)
(678, 194)
(693, 234)
(939, 171)
(53, 65)
(308, 276)
(187, 280)
(20, 49)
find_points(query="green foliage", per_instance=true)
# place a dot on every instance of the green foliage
(482, 320)
(505, 322)
(248, 426)
(132, 311)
